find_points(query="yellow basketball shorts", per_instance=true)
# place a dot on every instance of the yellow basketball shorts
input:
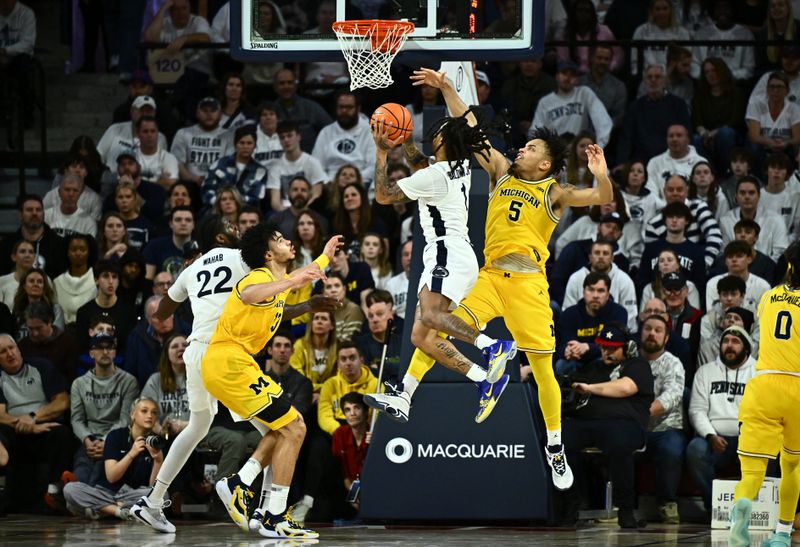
(521, 299)
(233, 377)
(769, 416)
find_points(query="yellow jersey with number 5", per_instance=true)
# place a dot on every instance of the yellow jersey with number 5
(779, 322)
(519, 220)
(250, 326)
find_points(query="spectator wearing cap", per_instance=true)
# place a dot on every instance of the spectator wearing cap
(122, 137)
(166, 253)
(158, 166)
(679, 158)
(712, 331)
(148, 200)
(649, 117)
(45, 340)
(574, 255)
(703, 228)
(106, 277)
(762, 265)
(714, 409)
(34, 401)
(99, 403)
(239, 169)
(67, 218)
(523, 90)
(608, 88)
(200, 146)
(676, 345)
(175, 25)
(779, 198)
(665, 440)
(772, 238)
(141, 84)
(613, 416)
(790, 65)
(580, 324)
(571, 108)
(677, 218)
(738, 257)
(601, 260)
(146, 341)
(685, 318)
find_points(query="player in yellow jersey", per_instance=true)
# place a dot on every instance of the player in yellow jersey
(525, 203)
(769, 414)
(250, 317)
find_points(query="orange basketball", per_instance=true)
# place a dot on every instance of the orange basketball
(396, 118)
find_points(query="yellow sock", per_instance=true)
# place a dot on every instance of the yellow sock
(549, 391)
(753, 472)
(420, 364)
(789, 490)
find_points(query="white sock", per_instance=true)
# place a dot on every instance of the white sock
(781, 527)
(266, 486)
(553, 437)
(52, 488)
(249, 471)
(483, 341)
(476, 374)
(308, 501)
(156, 496)
(277, 499)
(410, 384)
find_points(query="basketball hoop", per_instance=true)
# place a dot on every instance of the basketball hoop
(369, 47)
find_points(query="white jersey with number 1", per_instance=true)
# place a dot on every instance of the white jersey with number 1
(208, 282)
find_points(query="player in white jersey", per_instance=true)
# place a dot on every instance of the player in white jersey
(450, 266)
(207, 283)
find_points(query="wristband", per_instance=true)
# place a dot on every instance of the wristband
(322, 261)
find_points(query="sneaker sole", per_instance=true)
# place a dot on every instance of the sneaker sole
(494, 373)
(382, 407)
(226, 496)
(740, 533)
(136, 514)
(482, 418)
(568, 486)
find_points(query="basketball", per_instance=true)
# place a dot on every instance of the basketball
(396, 118)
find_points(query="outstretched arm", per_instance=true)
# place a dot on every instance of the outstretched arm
(414, 156)
(569, 196)
(494, 162)
(386, 191)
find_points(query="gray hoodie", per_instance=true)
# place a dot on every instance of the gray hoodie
(99, 405)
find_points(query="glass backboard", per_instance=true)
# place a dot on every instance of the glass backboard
(461, 30)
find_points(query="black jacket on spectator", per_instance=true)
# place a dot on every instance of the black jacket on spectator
(691, 256)
(296, 388)
(635, 408)
(576, 324)
(645, 125)
(50, 246)
(154, 198)
(372, 350)
(574, 257)
(118, 443)
(123, 315)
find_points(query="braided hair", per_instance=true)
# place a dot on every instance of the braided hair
(460, 139)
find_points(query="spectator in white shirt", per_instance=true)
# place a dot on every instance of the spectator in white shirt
(772, 239)
(679, 159)
(89, 200)
(200, 146)
(348, 140)
(17, 40)
(398, 285)
(738, 257)
(67, 218)
(774, 124)
(790, 64)
(268, 144)
(121, 137)
(294, 163)
(572, 108)
(740, 59)
(661, 25)
(158, 166)
(777, 197)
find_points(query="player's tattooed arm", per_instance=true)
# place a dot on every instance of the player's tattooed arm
(414, 156)
(386, 191)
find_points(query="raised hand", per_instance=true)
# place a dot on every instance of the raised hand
(380, 135)
(429, 77)
(333, 245)
(324, 303)
(597, 160)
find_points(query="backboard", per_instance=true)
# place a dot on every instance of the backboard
(445, 30)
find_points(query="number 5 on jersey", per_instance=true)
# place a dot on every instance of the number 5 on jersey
(514, 210)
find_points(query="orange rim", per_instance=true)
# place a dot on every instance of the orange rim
(360, 27)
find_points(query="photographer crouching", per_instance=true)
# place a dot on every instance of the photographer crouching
(612, 415)
(131, 457)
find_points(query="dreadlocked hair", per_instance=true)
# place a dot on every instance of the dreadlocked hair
(792, 255)
(556, 148)
(460, 139)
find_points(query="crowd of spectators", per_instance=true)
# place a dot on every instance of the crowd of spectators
(703, 146)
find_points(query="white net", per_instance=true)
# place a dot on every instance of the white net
(369, 47)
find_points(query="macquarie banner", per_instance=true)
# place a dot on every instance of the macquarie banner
(441, 465)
